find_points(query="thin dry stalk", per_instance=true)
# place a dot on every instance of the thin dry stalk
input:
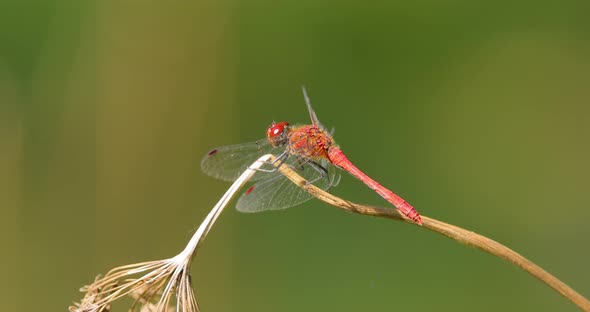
(456, 233)
(153, 284)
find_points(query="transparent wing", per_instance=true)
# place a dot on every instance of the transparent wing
(228, 162)
(277, 192)
(314, 118)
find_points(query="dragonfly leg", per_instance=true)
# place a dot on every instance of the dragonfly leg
(320, 169)
(264, 170)
(281, 159)
(301, 162)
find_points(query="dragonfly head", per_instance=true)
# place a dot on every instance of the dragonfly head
(276, 133)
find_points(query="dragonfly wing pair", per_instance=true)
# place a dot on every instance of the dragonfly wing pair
(271, 190)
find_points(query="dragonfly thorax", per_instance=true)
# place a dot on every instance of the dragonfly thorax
(309, 142)
(276, 133)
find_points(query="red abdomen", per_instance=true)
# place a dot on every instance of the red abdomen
(338, 158)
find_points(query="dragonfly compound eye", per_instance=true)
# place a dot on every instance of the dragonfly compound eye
(276, 132)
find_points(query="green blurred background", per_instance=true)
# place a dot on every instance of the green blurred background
(477, 113)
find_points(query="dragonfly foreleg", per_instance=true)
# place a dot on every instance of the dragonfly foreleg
(280, 159)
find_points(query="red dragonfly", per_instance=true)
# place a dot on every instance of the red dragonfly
(309, 149)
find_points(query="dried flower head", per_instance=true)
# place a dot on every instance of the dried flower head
(153, 284)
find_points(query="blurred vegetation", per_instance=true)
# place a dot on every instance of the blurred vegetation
(475, 112)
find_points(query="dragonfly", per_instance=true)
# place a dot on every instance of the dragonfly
(308, 149)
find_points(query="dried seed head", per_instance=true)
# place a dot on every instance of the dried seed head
(153, 284)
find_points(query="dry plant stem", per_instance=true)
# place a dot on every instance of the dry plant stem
(159, 281)
(454, 232)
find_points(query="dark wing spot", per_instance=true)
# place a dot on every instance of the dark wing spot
(249, 190)
(212, 152)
